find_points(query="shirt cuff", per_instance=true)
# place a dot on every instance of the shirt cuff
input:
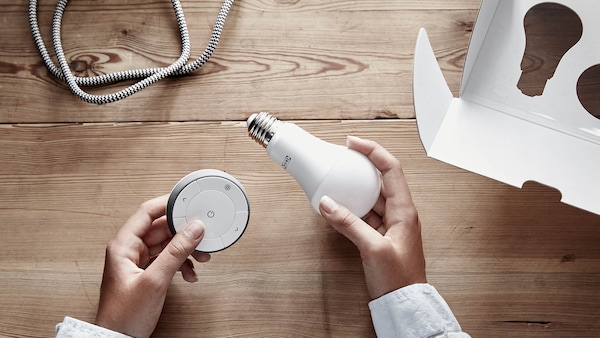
(71, 328)
(416, 310)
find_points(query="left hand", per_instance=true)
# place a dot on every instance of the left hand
(140, 264)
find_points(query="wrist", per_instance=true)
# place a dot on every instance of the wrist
(380, 285)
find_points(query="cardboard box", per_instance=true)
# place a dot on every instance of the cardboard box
(495, 129)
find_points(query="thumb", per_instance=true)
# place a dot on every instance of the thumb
(347, 223)
(180, 247)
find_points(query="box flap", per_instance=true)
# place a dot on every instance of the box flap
(428, 81)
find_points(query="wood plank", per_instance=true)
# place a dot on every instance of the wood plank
(301, 59)
(510, 262)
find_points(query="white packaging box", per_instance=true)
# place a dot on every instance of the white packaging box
(496, 130)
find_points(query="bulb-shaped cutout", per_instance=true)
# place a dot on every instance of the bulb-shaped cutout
(551, 29)
(588, 89)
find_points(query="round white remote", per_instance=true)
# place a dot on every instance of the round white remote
(218, 200)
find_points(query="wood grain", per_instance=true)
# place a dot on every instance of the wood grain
(508, 261)
(299, 59)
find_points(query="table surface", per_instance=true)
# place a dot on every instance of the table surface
(510, 262)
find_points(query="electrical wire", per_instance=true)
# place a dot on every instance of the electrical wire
(146, 76)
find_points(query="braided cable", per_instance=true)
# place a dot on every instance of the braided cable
(148, 76)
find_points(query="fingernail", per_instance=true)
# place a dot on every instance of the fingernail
(328, 204)
(350, 138)
(194, 230)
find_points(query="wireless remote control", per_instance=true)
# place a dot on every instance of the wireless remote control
(218, 200)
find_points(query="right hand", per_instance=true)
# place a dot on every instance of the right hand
(389, 237)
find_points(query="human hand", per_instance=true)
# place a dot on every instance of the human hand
(389, 236)
(140, 264)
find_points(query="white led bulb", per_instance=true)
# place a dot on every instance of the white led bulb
(321, 168)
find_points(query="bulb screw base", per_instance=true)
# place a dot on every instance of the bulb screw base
(262, 127)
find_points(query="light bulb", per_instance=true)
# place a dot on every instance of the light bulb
(321, 168)
(551, 29)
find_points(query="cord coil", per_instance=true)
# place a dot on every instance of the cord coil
(147, 76)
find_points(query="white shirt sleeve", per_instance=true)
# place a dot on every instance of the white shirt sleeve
(414, 311)
(74, 328)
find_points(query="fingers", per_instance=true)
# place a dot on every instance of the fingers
(158, 232)
(175, 254)
(395, 187)
(187, 268)
(381, 158)
(201, 257)
(141, 221)
(398, 209)
(187, 271)
(348, 224)
(379, 207)
(375, 221)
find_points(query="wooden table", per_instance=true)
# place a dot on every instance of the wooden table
(510, 262)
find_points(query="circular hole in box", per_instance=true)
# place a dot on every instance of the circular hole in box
(588, 90)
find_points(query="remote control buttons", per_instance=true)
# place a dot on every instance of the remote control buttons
(215, 198)
(213, 208)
